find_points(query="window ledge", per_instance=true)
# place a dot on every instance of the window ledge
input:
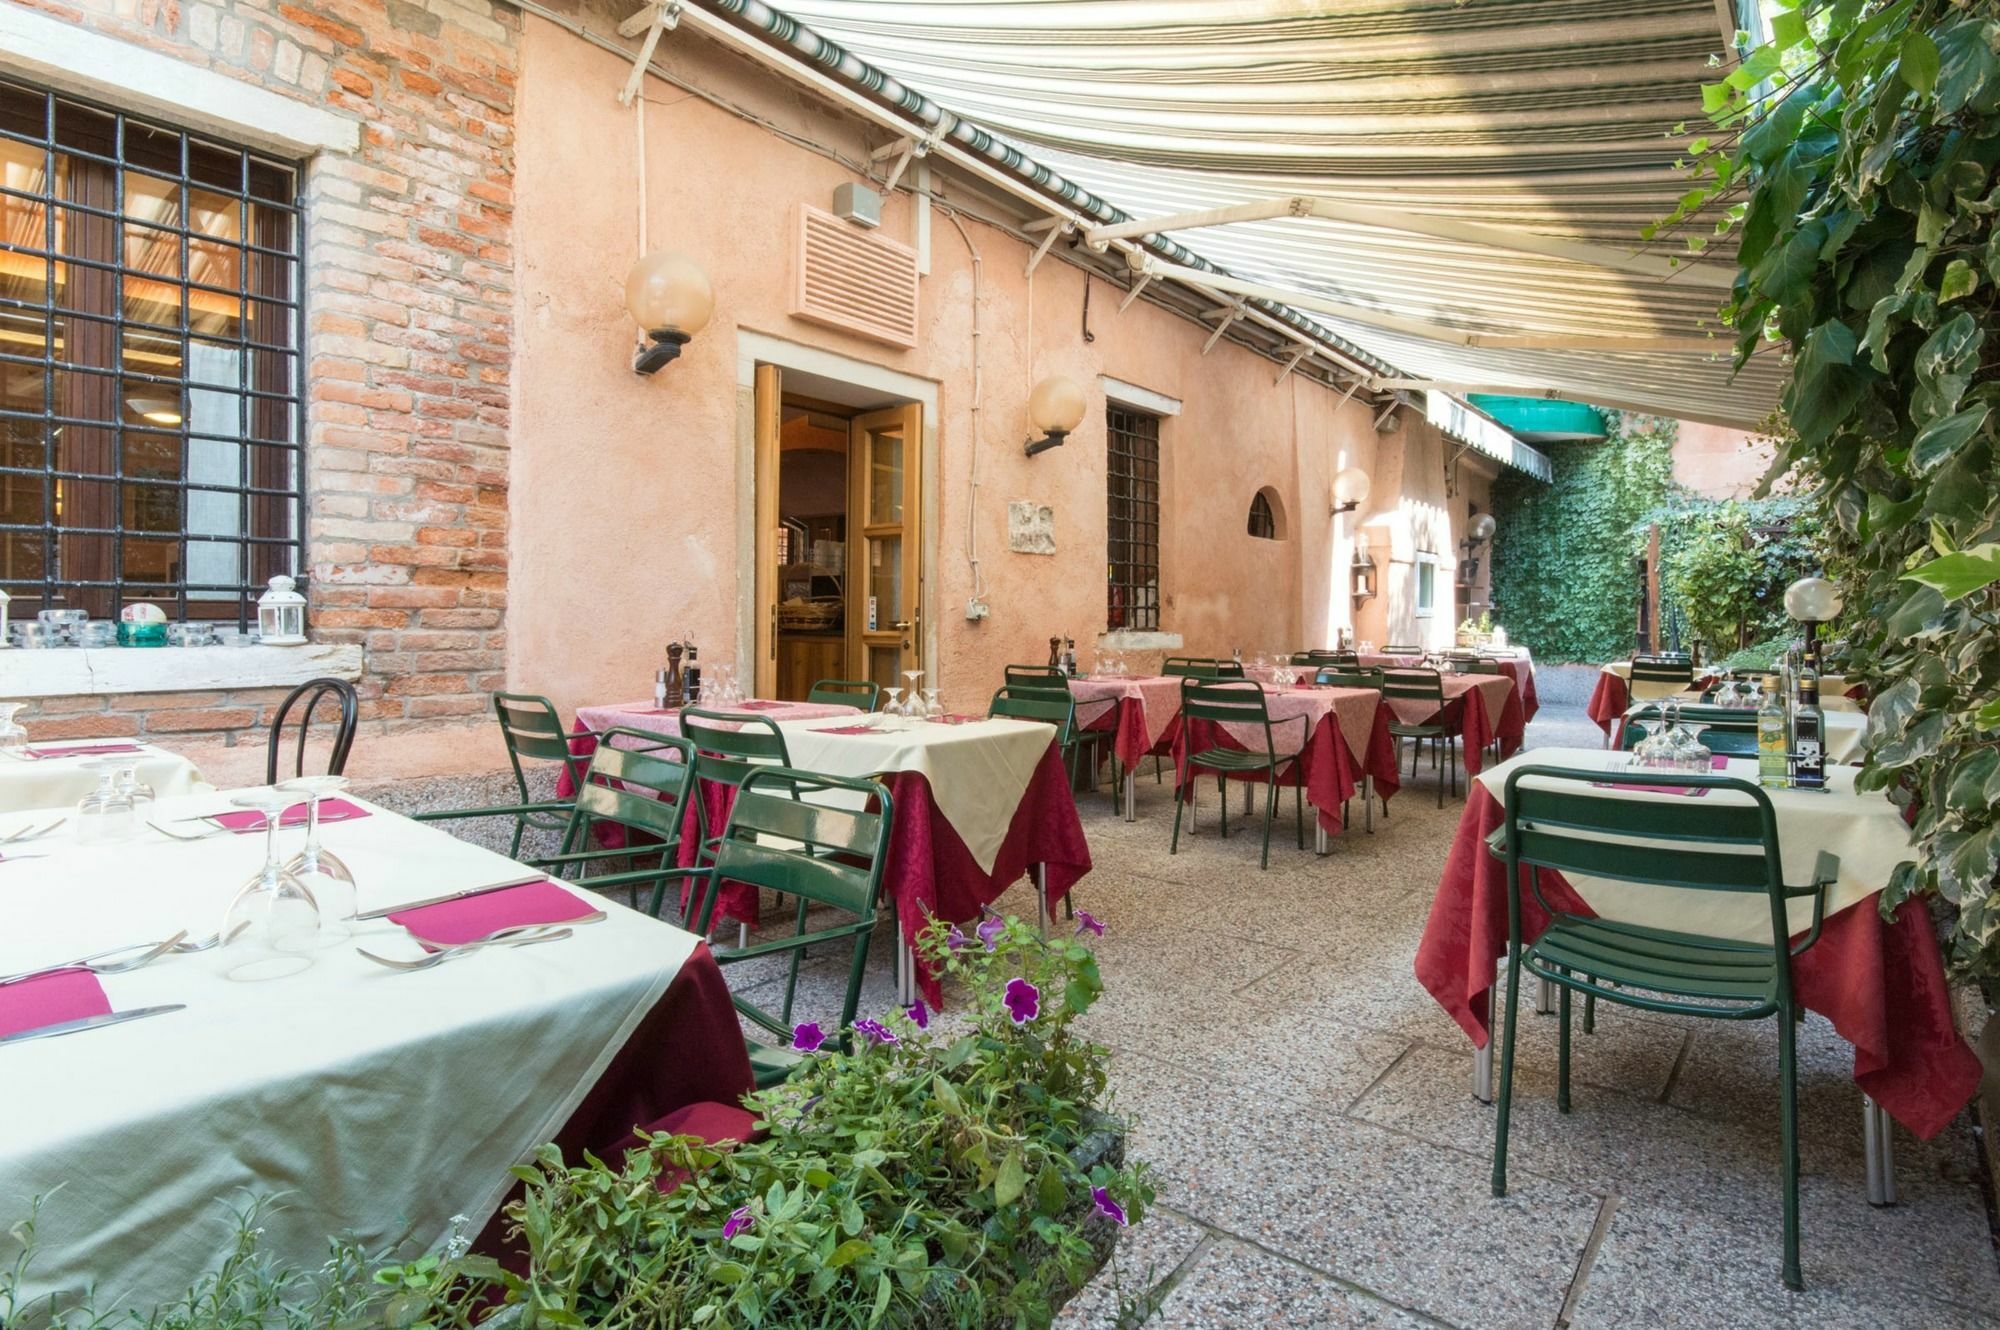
(1129, 639)
(72, 671)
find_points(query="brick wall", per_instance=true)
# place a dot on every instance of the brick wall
(242, 716)
(409, 289)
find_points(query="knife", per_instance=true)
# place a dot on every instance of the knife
(90, 1023)
(388, 910)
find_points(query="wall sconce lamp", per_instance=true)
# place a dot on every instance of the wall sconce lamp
(1812, 601)
(1350, 490)
(668, 295)
(1055, 407)
(1481, 531)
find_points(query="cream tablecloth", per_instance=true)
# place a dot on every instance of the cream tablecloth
(381, 1103)
(977, 771)
(58, 782)
(1864, 830)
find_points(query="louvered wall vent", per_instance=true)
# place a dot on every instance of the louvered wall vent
(858, 281)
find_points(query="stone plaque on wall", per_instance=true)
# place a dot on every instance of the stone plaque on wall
(1031, 527)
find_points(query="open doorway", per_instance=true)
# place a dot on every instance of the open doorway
(839, 580)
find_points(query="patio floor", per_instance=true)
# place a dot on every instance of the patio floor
(1321, 1162)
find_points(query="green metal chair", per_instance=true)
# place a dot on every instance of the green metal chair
(1235, 704)
(729, 747)
(1346, 676)
(1678, 670)
(1201, 667)
(862, 693)
(1083, 750)
(1706, 845)
(1043, 676)
(642, 787)
(778, 838)
(1402, 649)
(1423, 686)
(532, 730)
(1728, 730)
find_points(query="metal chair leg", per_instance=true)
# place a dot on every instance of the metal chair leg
(1562, 1054)
(1270, 811)
(1788, 1128)
(1506, 1072)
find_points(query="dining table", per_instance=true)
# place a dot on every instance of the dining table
(1879, 980)
(1485, 710)
(1333, 741)
(58, 772)
(1140, 712)
(361, 1100)
(1845, 730)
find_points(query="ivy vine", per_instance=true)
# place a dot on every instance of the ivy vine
(1563, 581)
(1854, 164)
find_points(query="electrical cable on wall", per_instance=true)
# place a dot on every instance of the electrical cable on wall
(972, 461)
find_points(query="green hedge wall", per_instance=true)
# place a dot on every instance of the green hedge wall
(1562, 555)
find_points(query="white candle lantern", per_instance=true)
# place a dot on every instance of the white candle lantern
(5, 600)
(281, 614)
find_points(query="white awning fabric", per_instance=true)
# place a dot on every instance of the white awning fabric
(1554, 123)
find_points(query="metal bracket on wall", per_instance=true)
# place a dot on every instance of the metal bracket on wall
(1290, 365)
(658, 17)
(1228, 314)
(905, 151)
(1054, 226)
(1133, 294)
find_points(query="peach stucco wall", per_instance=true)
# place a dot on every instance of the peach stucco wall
(1719, 463)
(630, 495)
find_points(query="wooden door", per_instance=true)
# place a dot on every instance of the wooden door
(767, 402)
(885, 612)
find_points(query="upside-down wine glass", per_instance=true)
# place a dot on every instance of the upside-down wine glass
(329, 880)
(107, 814)
(893, 707)
(914, 708)
(12, 736)
(933, 709)
(272, 926)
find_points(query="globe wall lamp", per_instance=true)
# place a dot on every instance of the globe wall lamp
(1350, 490)
(1055, 407)
(667, 295)
(1478, 534)
(1812, 601)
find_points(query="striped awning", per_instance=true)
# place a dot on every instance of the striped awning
(1554, 124)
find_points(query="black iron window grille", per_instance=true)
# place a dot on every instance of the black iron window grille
(1263, 521)
(151, 413)
(1132, 491)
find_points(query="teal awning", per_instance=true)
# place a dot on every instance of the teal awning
(1542, 419)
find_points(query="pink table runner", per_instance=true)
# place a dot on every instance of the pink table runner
(1139, 709)
(1336, 724)
(1881, 982)
(1472, 701)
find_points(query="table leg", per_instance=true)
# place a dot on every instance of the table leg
(1880, 1150)
(1545, 996)
(906, 973)
(1482, 1058)
(1131, 796)
(1319, 834)
(1247, 789)
(1368, 804)
(1040, 878)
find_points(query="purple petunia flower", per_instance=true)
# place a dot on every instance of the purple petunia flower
(1107, 1207)
(807, 1038)
(877, 1032)
(990, 930)
(741, 1218)
(1086, 922)
(956, 940)
(1024, 1001)
(920, 1015)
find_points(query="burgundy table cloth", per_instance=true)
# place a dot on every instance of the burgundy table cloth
(1881, 983)
(1468, 706)
(1326, 765)
(688, 1050)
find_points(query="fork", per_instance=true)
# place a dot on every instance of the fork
(32, 832)
(153, 951)
(527, 935)
(171, 834)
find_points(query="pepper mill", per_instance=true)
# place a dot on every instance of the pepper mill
(1055, 653)
(675, 696)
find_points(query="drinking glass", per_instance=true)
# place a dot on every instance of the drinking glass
(138, 791)
(914, 708)
(11, 733)
(106, 815)
(894, 706)
(1367, 648)
(272, 926)
(933, 709)
(324, 875)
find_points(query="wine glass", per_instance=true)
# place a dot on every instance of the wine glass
(107, 814)
(272, 926)
(933, 709)
(328, 879)
(914, 708)
(894, 706)
(138, 791)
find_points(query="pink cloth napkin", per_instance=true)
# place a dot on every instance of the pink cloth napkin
(330, 810)
(80, 750)
(847, 729)
(449, 923)
(51, 999)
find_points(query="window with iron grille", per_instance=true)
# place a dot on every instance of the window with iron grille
(1132, 491)
(150, 412)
